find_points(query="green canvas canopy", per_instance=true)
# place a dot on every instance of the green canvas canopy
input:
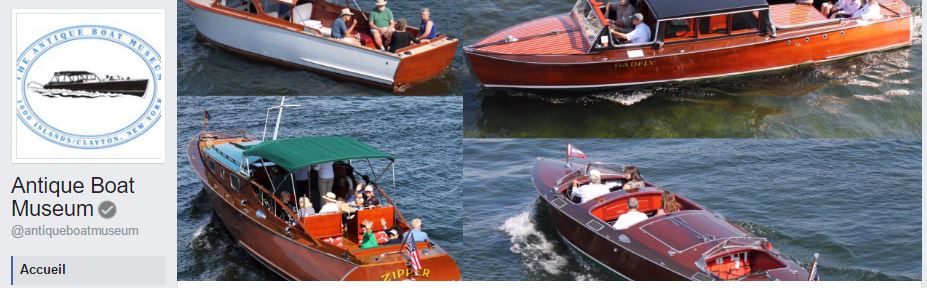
(297, 153)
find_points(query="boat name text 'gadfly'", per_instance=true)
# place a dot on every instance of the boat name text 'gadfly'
(403, 274)
(635, 64)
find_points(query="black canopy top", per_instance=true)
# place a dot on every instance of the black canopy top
(667, 9)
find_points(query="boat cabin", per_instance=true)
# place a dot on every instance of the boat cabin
(673, 21)
(73, 77)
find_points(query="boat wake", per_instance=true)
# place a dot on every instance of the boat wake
(65, 93)
(538, 253)
(624, 98)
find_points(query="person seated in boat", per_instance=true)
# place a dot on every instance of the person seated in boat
(427, 30)
(416, 231)
(633, 177)
(305, 207)
(668, 203)
(369, 240)
(340, 29)
(370, 200)
(871, 10)
(393, 237)
(623, 19)
(592, 190)
(331, 204)
(631, 217)
(287, 198)
(381, 25)
(640, 34)
(402, 38)
(841, 9)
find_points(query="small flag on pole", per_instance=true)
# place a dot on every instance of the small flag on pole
(573, 152)
(414, 260)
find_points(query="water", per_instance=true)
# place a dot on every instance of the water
(204, 69)
(423, 133)
(876, 95)
(856, 202)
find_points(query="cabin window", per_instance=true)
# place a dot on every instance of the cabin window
(712, 26)
(235, 182)
(745, 22)
(221, 173)
(211, 165)
(678, 30)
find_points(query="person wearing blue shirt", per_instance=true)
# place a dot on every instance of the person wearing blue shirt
(340, 29)
(416, 231)
(428, 29)
(640, 34)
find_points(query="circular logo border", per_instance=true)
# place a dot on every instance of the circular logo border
(24, 106)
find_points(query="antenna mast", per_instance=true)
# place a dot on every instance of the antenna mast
(279, 117)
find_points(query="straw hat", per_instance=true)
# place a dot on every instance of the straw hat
(381, 2)
(369, 188)
(346, 11)
(330, 197)
(595, 174)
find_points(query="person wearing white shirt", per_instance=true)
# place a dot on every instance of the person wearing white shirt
(590, 191)
(640, 34)
(841, 9)
(326, 177)
(301, 177)
(631, 217)
(331, 204)
(869, 11)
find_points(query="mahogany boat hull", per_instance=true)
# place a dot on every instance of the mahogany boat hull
(412, 65)
(294, 260)
(636, 253)
(127, 87)
(689, 61)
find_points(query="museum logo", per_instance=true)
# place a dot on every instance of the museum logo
(89, 86)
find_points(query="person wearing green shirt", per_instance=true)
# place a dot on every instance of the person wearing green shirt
(381, 25)
(370, 240)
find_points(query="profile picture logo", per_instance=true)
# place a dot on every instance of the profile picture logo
(89, 86)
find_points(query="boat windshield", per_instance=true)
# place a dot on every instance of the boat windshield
(588, 19)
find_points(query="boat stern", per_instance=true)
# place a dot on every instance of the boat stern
(440, 267)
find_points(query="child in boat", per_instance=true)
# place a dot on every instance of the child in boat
(401, 37)
(427, 30)
(369, 240)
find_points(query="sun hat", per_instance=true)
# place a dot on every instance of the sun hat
(346, 11)
(381, 2)
(330, 197)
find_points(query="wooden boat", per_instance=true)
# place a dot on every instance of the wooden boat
(300, 38)
(690, 244)
(692, 40)
(89, 82)
(237, 171)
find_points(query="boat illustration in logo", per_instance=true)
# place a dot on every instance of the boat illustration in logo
(83, 84)
(89, 86)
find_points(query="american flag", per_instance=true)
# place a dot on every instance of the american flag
(409, 246)
(574, 152)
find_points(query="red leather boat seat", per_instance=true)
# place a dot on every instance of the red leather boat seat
(323, 225)
(374, 215)
(650, 201)
(730, 269)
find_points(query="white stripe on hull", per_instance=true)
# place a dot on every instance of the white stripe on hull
(296, 48)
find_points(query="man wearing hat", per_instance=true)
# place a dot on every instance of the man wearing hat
(381, 24)
(340, 29)
(631, 217)
(640, 34)
(590, 191)
(331, 204)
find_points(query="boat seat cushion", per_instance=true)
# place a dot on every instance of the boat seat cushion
(315, 24)
(302, 13)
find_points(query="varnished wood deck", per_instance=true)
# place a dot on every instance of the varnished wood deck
(569, 42)
(794, 14)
